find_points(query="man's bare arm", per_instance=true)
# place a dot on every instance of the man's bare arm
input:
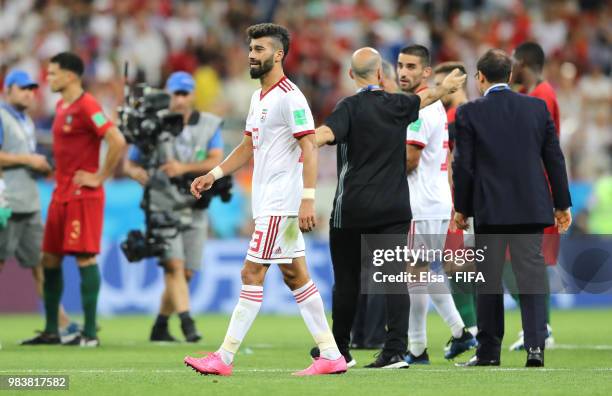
(413, 157)
(324, 135)
(234, 161)
(116, 146)
(307, 216)
(35, 161)
(238, 157)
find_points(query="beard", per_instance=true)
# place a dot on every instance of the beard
(262, 69)
(20, 107)
(411, 86)
(517, 79)
(56, 89)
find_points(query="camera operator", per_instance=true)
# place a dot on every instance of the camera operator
(196, 150)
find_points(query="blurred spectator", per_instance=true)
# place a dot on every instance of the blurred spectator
(206, 38)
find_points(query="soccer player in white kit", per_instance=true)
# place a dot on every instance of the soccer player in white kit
(279, 134)
(427, 150)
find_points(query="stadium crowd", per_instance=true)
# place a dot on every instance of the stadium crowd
(206, 38)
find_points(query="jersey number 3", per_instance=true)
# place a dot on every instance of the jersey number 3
(256, 242)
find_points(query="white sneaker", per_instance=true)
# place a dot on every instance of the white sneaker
(87, 342)
(550, 341)
(519, 344)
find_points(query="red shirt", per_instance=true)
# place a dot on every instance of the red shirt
(78, 130)
(550, 242)
(546, 92)
(450, 119)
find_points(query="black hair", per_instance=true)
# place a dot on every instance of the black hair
(418, 50)
(496, 66)
(447, 67)
(531, 54)
(69, 61)
(278, 32)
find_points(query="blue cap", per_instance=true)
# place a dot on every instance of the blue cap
(20, 78)
(180, 81)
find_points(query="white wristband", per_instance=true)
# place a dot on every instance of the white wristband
(308, 193)
(217, 172)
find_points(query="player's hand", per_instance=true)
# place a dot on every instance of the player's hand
(453, 81)
(200, 184)
(140, 175)
(39, 163)
(563, 219)
(306, 215)
(173, 168)
(87, 179)
(461, 221)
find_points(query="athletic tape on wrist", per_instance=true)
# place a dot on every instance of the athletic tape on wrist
(308, 193)
(217, 172)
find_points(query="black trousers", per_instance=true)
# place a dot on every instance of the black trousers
(529, 269)
(345, 246)
(369, 327)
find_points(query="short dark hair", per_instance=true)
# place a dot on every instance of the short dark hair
(496, 66)
(531, 54)
(69, 61)
(447, 67)
(418, 50)
(278, 32)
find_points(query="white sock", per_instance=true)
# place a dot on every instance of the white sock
(311, 307)
(445, 305)
(473, 330)
(417, 324)
(243, 316)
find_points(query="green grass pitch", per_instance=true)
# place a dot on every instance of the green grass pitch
(127, 364)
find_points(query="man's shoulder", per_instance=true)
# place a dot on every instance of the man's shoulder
(87, 103)
(434, 110)
(88, 99)
(206, 116)
(491, 99)
(289, 90)
(544, 91)
(255, 96)
(531, 102)
(404, 98)
(4, 108)
(346, 102)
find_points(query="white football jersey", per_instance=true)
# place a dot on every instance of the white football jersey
(430, 194)
(276, 119)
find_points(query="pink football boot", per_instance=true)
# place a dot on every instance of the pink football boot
(211, 364)
(324, 366)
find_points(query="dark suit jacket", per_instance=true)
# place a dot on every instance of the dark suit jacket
(506, 144)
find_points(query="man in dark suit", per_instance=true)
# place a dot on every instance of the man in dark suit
(505, 142)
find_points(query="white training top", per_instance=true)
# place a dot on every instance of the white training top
(276, 118)
(430, 194)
